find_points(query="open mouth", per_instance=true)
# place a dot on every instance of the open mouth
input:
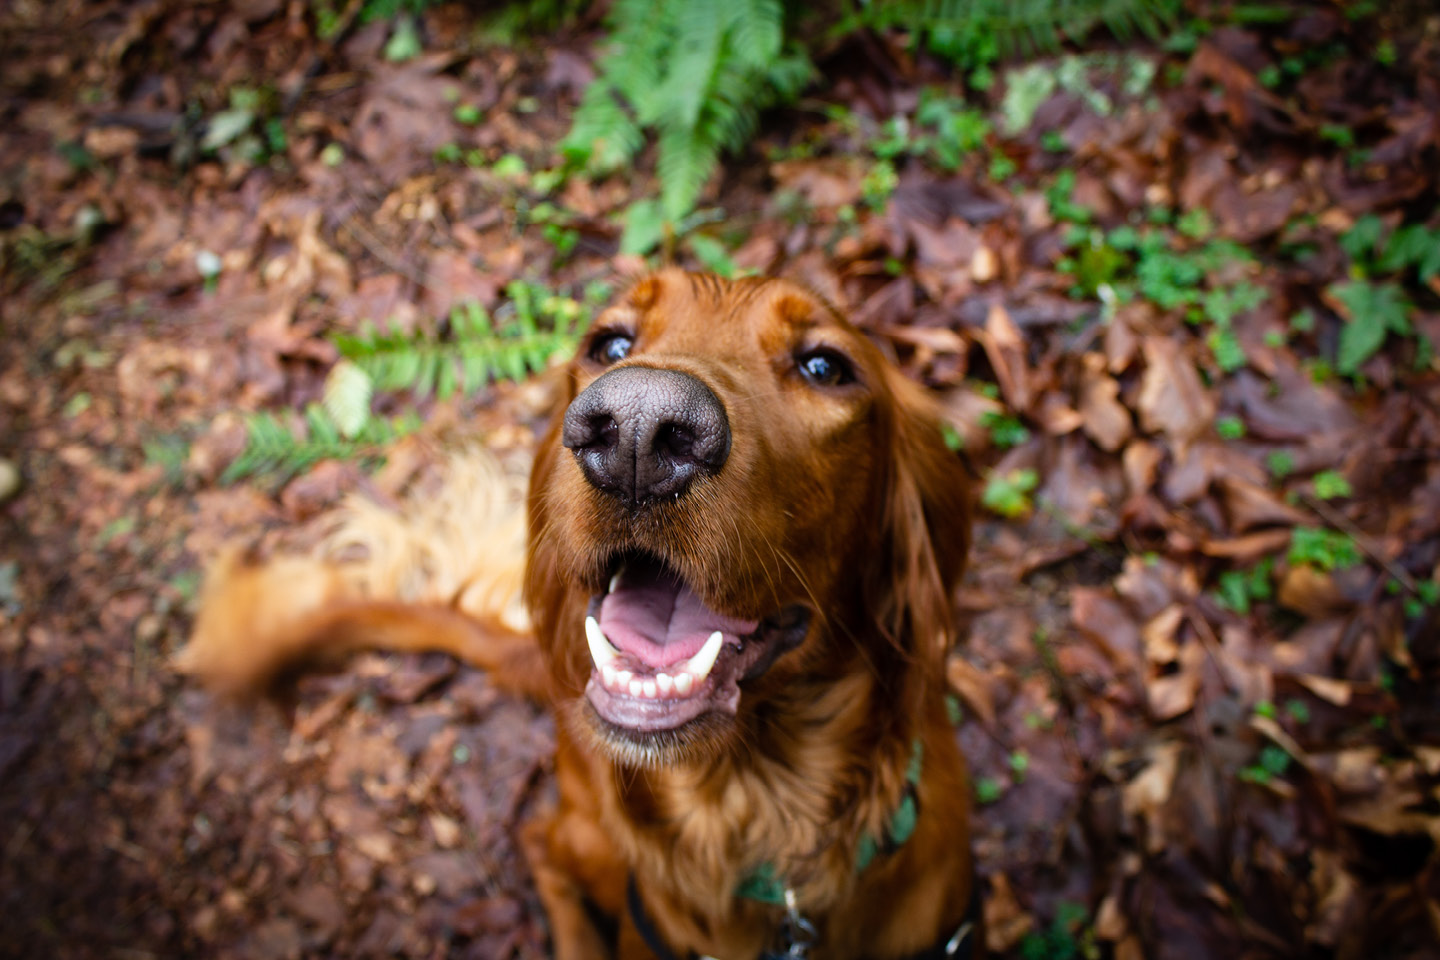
(663, 658)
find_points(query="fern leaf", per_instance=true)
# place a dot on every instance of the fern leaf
(687, 158)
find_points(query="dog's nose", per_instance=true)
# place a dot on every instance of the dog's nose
(643, 433)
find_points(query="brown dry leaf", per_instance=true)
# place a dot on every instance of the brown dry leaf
(1249, 548)
(1056, 417)
(1173, 694)
(1251, 505)
(1103, 619)
(1311, 592)
(1158, 633)
(1152, 584)
(1291, 407)
(1105, 419)
(826, 182)
(1147, 794)
(445, 829)
(1172, 398)
(1110, 922)
(973, 686)
(378, 846)
(1339, 898)
(1005, 922)
(1005, 348)
(1328, 689)
(1141, 460)
(405, 117)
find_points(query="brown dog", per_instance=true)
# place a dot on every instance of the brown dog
(744, 535)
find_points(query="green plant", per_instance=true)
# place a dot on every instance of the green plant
(1373, 311)
(272, 448)
(1009, 494)
(1331, 485)
(988, 790)
(1238, 588)
(1326, 549)
(248, 129)
(1271, 764)
(1280, 463)
(1019, 763)
(1066, 938)
(1230, 427)
(477, 350)
(1006, 430)
(697, 73)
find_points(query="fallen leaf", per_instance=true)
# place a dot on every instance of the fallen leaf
(1105, 418)
(1172, 399)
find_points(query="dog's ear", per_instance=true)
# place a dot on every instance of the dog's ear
(926, 529)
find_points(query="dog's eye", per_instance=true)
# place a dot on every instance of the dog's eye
(825, 368)
(611, 348)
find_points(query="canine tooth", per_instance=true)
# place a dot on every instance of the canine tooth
(600, 649)
(664, 683)
(700, 664)
(650, 688)
(683, 682)
(636, 688)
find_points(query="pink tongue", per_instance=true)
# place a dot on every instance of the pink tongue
(655, 618)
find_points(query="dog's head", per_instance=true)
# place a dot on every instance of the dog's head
(742, 498)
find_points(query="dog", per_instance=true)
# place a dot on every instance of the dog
(744, 536)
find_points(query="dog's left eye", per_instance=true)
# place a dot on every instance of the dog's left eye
(825, 368)
(611, 348)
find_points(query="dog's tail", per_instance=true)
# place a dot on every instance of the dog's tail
(441, 574)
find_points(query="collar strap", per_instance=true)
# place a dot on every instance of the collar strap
(957, 944)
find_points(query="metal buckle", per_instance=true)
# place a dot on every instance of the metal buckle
(962, 933)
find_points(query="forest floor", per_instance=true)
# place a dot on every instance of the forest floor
(1181, 301)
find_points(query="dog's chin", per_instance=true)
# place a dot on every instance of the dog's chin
(695, 741)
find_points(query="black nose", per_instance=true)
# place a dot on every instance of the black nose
(642, 433)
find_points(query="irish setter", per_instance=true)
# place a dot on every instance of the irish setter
(744, 534)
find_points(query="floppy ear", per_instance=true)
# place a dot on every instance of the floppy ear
(927, 530)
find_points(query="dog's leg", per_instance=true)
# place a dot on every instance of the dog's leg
(577, 871)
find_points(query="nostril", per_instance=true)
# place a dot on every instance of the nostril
(604, 432)
(675, 441)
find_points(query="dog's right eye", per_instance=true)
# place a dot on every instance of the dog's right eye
(611, 348)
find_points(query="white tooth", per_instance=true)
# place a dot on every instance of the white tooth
(636, 688)
(600, 649)
(664, 683)
(683, 682)
(607, 674)
(622, 678)
(615, 580)
(650, 689)
(700, 664)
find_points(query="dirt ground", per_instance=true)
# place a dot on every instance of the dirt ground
(1199, 690)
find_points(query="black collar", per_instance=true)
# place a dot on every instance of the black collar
(957, 944)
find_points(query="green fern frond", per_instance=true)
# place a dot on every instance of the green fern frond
(693, 72)
(476, 352)
(1024, 24)
(275, 450)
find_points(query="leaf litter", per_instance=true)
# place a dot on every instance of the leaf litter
(1198, 696)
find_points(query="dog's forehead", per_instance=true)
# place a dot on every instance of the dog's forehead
(772, 314)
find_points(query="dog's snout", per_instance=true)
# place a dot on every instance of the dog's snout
(645, 433)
